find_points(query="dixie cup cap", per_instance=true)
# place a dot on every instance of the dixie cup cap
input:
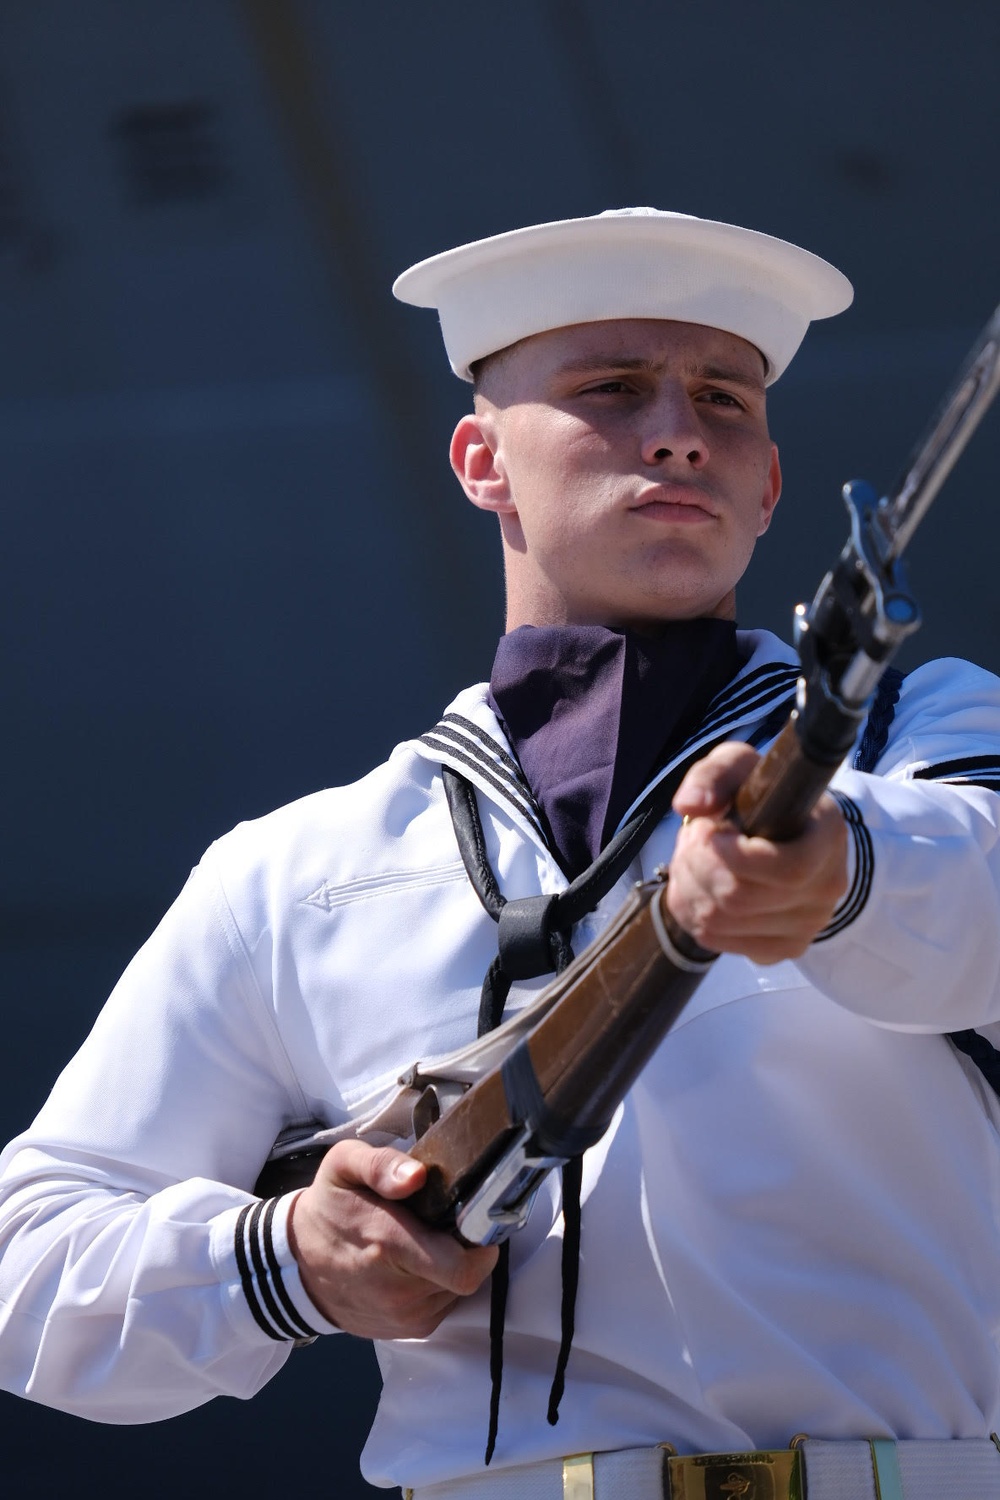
(625, 263)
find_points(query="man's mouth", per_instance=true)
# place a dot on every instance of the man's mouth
(675, 502)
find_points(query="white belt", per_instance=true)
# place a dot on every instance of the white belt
(963, 1469)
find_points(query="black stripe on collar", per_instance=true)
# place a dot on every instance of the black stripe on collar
(746, 693)
(459, 751)
(464, 743)
(770, 700)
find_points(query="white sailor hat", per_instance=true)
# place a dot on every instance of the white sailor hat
(625, 263)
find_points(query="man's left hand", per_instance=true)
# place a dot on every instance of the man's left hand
(735, 894)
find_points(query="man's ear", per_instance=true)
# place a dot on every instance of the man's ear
(477, 462)
(772, 491)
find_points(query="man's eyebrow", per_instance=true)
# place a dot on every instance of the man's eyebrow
(599, 361)
(735, 377)
(630, 365)
(731, 376)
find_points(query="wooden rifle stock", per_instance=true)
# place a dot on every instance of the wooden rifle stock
(781, 790)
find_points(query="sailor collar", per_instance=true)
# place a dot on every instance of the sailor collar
(753, 707)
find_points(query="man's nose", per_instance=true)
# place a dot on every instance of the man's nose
(672, 430)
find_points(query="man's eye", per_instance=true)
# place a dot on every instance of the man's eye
(723, 398)
(607, 388)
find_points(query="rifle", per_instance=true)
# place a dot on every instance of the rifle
(489, 1122)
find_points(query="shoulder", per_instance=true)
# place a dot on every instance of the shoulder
(948, 711)
(948, 679)
(389, 828)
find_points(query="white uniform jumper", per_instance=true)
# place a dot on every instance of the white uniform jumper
(793, 1223)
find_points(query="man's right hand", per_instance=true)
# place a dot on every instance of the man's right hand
(371, 1267)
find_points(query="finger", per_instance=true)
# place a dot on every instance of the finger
(742, 892)
(819, 852)
(416, 1322)
(711, 784)
(431, 1255)
(460, 1269)
(373, 1268)
(761, 933)
(384, 1171)
(410, 1320)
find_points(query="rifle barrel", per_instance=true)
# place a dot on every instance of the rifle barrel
(938, 450)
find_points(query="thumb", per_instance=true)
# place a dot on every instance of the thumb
(711, 784)
(384, 1171)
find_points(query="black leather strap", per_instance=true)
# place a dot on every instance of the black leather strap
(468, 828)
(581, 896)
(523, 938)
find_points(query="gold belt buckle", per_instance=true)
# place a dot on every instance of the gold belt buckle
(769, 1474)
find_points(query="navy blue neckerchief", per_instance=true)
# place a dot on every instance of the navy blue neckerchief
(592, 713)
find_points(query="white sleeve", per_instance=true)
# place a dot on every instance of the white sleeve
(915, 944)
(139, 1276)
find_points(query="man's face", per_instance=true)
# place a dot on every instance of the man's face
(631, 468)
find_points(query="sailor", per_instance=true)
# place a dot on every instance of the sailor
(791, 1225)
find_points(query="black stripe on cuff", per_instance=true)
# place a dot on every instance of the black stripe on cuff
(262, 1279)
(274, 1268)
(247, 1280)
(263, 1284)
(864, 870)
